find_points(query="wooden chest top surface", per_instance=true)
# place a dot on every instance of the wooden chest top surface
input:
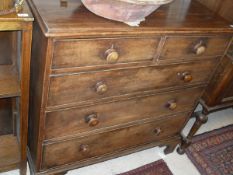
(74, 20)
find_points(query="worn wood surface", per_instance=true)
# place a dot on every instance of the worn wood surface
(39, 79)
(214, 46)
(222, 7)
(6, 4)
(6, 48)
(9, 83)
(119, 82)
(220, 85)
(55, 20)
(89, 73)
(6, 117)
(99, 145)
(218, 95)
(76, 53)
(118, 113)
(14, 17)
(14, 82)
(9, 153)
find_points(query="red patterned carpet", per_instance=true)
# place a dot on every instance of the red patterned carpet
(212, 152)
(156, 168)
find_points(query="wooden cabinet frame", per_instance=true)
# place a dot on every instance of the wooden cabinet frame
(18, 88)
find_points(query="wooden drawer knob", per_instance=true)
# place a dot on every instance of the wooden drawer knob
(111, 55)
(157, 131)
(84, 148)
(186, 76)
(92, 120)
(200, 48)
(101, 88)
(172, 105)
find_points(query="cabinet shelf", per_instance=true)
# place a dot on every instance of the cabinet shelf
(9, 153)
(15, 48)
(9, 83)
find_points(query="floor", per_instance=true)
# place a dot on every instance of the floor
(179, 165)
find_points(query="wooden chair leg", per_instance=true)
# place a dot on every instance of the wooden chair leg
(201, 118)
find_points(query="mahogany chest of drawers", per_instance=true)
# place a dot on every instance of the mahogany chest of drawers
(101, 89)
(219, 93)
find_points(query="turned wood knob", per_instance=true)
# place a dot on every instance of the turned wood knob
(199, 49)
(84, 148)
(101, 88)
(111, 55)
(186, 76)
(157, 131)
(92, 120)
(172, 105)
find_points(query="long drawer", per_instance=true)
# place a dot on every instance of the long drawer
(71, 151)
(89, 52)
(81, 87)
(183, 48)
(78, 120)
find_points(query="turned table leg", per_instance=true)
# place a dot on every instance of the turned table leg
(201, 118)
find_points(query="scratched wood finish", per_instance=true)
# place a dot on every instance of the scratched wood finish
(99, 145)
(117, 113)
(71, 53)
(60, 22)
(185, 49)
(69, 88)
(68, 72)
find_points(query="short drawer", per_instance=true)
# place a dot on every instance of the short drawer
(71, 151)
(87, 52)
(178, 48)
(78, 120)
(81, 87)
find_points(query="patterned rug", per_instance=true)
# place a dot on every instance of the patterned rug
(212, 152)
(156, 168)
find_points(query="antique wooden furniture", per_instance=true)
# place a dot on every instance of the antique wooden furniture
(219, 93)
(10, 6)
(101, 89)
(15, 48)
(222, 7)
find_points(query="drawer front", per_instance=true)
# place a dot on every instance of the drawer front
(178, 48)
(71, 151)
(73, 88)
(74, 121)
(76, 53)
